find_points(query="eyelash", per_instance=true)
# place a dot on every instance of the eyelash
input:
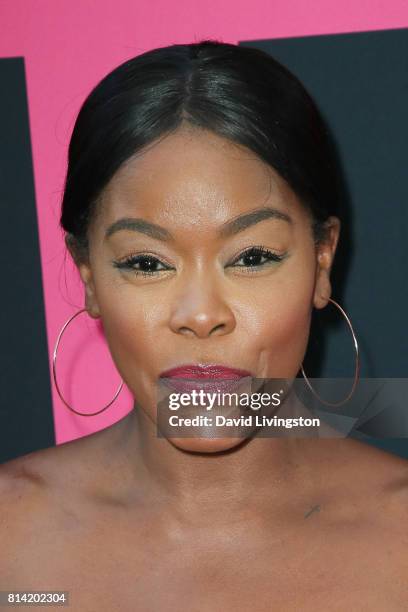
(129, 262)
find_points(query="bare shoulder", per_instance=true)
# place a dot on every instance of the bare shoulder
(20, 503)
(32, 507)
(42, 479)
(381, 486)
(23, 484)
(365, 490)
(27, 477)
(391, 473)
(31, 472)
(385, 470)
(18, 478)
(378, 478)
(392, 518)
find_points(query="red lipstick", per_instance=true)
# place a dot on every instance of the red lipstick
(211, 377)
(211, 370)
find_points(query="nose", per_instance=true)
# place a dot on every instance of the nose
(201, 310)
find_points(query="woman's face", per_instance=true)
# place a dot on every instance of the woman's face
(184, 284)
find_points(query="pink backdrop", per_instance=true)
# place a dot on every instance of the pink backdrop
(68, 47)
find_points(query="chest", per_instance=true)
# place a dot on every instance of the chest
(108, 571)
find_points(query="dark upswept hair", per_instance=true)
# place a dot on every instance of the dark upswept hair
(239, 93)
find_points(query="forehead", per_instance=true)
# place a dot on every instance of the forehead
(193, 173)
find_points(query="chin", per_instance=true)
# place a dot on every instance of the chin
(206, 445)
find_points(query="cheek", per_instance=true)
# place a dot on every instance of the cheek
(280, 324)
(130, 324)
(131, 330)
(284, 343)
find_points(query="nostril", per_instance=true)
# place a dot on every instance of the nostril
(217, 327)
(186, 330)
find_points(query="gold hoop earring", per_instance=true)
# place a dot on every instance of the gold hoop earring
(357, 368)
(54, 371)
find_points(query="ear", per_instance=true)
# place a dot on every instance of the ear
(82, 262)
(326, 249)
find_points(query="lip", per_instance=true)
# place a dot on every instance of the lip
(206, 371)
(207, 377)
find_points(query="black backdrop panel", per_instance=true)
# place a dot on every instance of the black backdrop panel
(26, 419)
(360, 83)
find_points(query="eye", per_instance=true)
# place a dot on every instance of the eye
(256, 257)
(144, 264)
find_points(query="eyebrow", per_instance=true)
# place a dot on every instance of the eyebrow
(229, 228)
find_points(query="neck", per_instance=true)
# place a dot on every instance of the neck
(273, 470)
